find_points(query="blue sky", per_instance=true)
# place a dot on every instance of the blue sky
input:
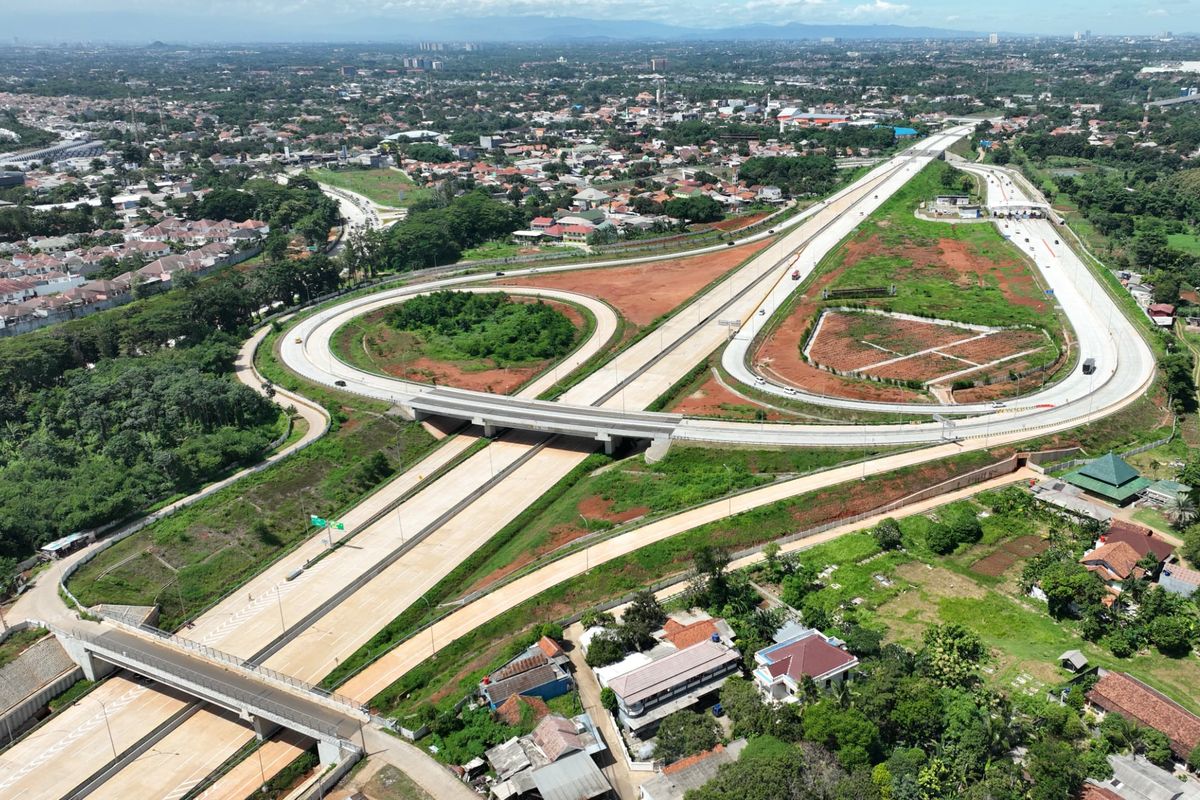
(131, 17)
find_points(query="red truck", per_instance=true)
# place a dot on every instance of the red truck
(795, 274)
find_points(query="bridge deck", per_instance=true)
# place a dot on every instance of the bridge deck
(539, 415)
(232, 687)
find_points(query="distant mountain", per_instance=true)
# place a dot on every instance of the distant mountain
(180, 23)
(549, 29)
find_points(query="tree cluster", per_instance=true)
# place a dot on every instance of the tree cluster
(797, 176)
(486, 325)
(438, 235)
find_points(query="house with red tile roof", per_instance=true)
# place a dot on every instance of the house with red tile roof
(782, 667)
(1120, 693)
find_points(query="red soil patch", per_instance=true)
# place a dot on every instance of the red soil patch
(712, 399)
(845, 340)
(643, 292)
(596, 507)
(559, 536)
(920, 368)
(736, 223)
(497, 381)
(1009, 554)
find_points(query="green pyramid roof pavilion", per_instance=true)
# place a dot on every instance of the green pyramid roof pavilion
(1110, 477)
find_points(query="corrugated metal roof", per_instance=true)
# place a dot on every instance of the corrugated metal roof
(643, 682)
(575, 777)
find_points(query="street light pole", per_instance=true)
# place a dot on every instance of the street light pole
(108, 727)
(279, 600)
(432, 646)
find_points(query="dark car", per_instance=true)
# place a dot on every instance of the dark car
(339, 383)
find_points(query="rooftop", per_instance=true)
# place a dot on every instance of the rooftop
(1124, 694)
(657, 676)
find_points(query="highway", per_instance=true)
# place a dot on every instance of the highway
(358, 589)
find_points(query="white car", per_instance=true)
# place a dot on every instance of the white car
(760, 380)
(788, 390)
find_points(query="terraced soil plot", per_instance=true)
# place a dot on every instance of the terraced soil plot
(848, 341)
(1008, 554)
(894, 348)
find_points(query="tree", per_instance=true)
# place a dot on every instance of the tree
(604, 649)
(1172, 635)
(641, 619)
(1193, 759)
(940, 538)
(951, 655)
(1155, 746)
(608, 700)
(846, 731)
(685, 733)
(701, 208)
(887, 535)
(1055, 769)
(1068, 585)
(768, 769)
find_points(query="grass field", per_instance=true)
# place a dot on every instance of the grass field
(15, 644)
(386, 187)
(1187, 242)
(494, 249)
(208, 548)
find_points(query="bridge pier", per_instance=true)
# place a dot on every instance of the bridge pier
(490, 430)
(657, 450)
(329, 753)
(610, 442)
(263, 728)
(93, 668)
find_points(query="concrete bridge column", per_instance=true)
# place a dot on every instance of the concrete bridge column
(610, 442)
(490, 430)
(263, 729)
(328, 752)
(93, 668)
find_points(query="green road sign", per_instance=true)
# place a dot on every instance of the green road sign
(318, 521)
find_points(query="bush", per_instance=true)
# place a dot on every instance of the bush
(887, 535)
(685, 733)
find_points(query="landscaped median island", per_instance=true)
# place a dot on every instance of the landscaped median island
(492, 342)
(907, 308)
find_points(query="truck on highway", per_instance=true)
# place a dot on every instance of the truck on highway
(795, 274)
(1089, 366)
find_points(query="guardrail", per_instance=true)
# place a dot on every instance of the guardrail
(212, 654)
(250, 700)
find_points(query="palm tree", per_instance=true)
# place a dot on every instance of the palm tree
(1181, 510)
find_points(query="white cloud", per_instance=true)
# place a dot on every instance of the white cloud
(879, 8)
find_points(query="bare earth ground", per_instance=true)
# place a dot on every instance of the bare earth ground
(1009, 554)
(711, 399)
(644, 292)
(779, 353)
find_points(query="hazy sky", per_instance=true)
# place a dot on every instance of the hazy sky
(240, 19)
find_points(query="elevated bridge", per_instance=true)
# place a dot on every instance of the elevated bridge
(494, 413)
(265, 699)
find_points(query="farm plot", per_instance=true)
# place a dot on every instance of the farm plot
(1008, 554)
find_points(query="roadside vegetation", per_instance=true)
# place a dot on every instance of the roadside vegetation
(189, 560)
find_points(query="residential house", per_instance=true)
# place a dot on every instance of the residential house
(1178, 579)
(783, 667)
(1135, 778)
(1125, 695)
(646, 694)
(675, 780)
(554, 762)
(538, 671)
(1161, 314)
